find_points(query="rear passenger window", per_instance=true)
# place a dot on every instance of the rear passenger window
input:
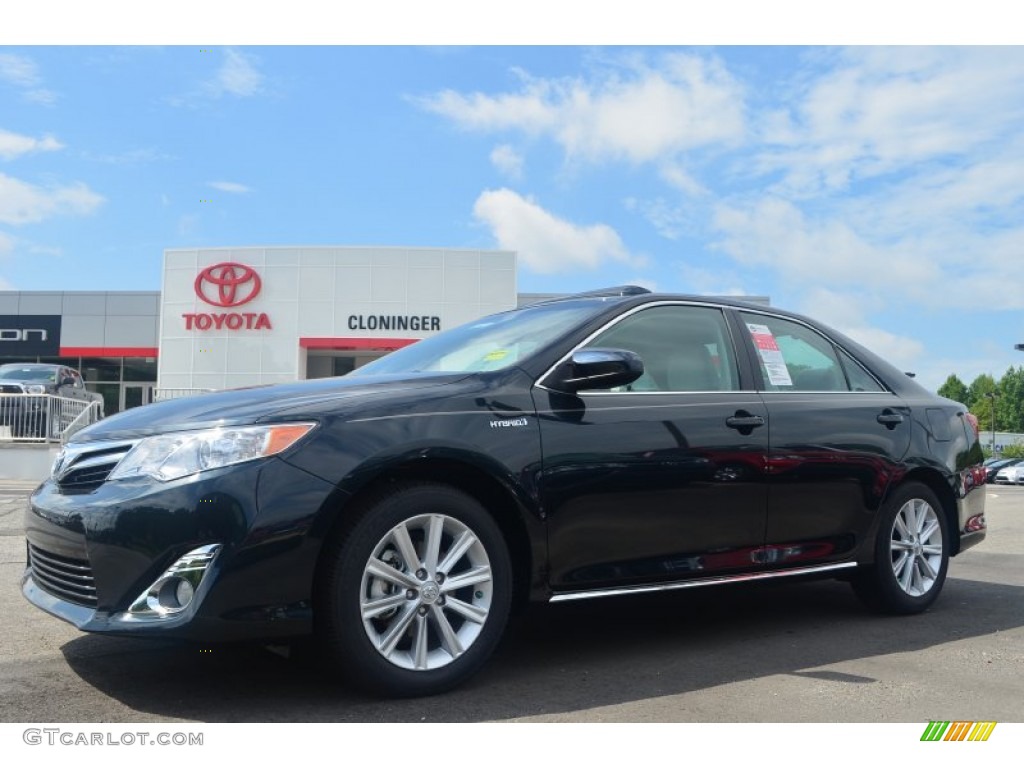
(793, 358)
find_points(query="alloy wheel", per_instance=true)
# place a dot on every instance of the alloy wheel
(426, 592)
(915, 546)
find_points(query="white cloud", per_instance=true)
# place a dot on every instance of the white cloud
(237, 76)
(507, 161)
(676, 176)
(713, 282)
(128, 157)
(670, 221)
(19, 71)
(232, 187)
(775, 233)
(880, 110)
(22, 73)
(544, 242)
(42, 96)
(636, 112)
(14, 145)
(24, 203)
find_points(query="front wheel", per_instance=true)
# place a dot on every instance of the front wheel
(911, 554)
(415, 596)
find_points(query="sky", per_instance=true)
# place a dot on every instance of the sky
(877, 189)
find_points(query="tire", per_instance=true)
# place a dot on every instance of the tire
(911, 553)
(414, 596)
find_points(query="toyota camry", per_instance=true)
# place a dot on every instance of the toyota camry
(612, 443)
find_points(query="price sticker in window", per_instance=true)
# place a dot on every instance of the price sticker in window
(771, 355)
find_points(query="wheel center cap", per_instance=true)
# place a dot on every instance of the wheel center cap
(430, 591)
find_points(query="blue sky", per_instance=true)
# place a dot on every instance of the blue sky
(878, 189)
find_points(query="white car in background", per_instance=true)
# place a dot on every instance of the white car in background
(1012, 474)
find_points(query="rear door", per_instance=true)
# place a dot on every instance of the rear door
(837, 438)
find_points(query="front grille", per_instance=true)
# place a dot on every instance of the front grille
(87, 478)
(63, 577)
(81, 469)
(11, 389)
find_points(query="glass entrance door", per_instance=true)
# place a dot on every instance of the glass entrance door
(136, 394)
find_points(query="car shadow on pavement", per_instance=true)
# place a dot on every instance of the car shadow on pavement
(558, 658)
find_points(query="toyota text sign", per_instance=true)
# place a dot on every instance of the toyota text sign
(227, 285)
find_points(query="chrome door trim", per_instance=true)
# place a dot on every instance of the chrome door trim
(710, 581)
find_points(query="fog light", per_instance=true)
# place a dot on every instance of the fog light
(184, 593)
(176, 588)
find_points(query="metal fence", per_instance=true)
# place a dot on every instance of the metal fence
(45, 418)
(173, 394)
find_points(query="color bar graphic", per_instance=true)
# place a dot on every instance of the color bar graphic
(945, 730)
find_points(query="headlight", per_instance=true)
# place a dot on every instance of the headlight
(35, 389)
(174, 455)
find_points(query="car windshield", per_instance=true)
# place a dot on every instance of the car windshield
(487, 344)
(27, 374)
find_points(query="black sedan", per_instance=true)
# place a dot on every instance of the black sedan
(610, 443)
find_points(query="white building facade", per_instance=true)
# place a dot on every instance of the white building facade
(233, 317)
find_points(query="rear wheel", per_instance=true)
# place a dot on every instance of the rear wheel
(415, 596)
(911, 554)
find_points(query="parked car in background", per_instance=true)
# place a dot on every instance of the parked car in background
(1011, 474)
(992, 466)
(613, 443)
(40, 399)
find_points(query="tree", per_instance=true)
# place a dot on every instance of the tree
(1010, 406)
(979, 403)
(981, 386)
(954, 389)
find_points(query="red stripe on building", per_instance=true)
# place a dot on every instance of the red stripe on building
(387, 345)
(108, 351)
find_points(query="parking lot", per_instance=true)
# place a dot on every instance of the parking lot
(794, 652)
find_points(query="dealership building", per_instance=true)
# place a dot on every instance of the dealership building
(234, 317)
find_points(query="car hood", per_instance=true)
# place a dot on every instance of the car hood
(252, 405)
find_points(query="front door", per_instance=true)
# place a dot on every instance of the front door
(661, 480)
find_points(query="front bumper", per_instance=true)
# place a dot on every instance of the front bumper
(123, 536)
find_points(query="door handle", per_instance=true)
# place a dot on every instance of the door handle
(744, 421)
(889, 418)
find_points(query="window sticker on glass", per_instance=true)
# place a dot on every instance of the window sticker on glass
(498, 354)
(771, 355)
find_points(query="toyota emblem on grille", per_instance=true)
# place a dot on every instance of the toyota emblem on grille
(228, 284)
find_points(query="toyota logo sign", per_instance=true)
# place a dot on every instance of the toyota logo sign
(228, 284)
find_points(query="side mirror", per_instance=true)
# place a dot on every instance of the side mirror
(67, 381)
(599, 369)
